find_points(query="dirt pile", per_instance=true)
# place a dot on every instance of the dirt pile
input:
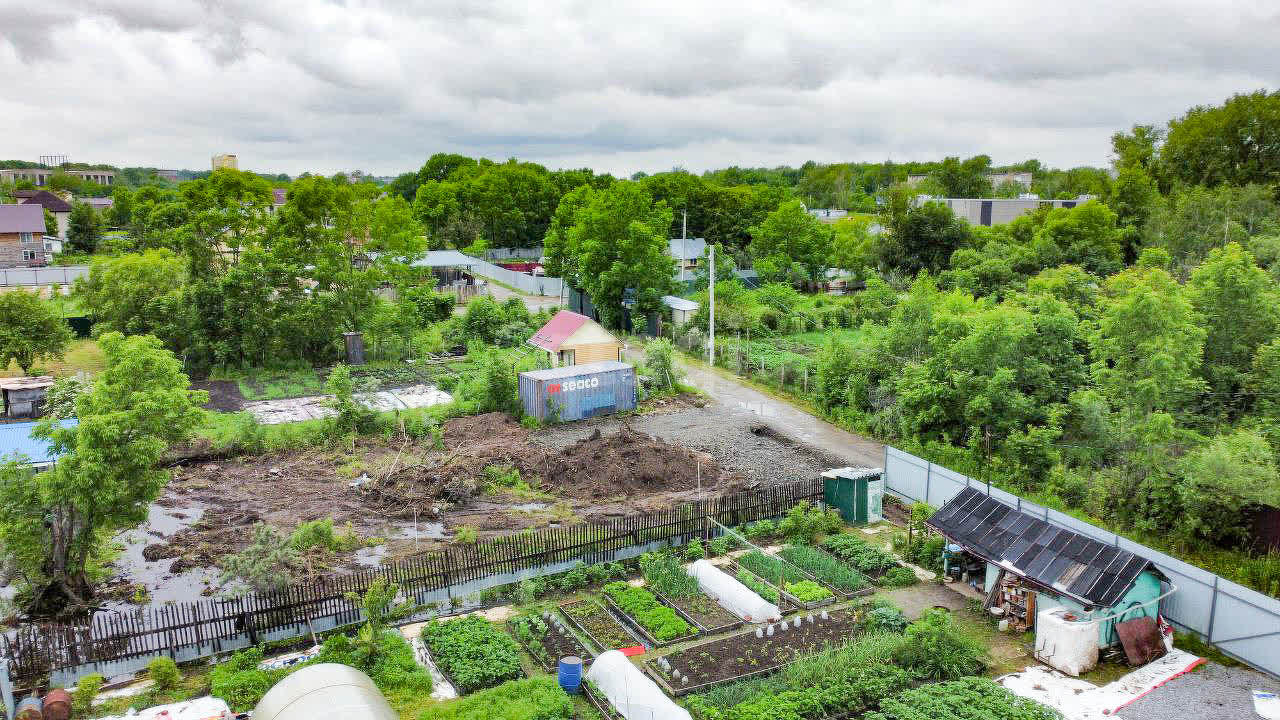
(595, 468)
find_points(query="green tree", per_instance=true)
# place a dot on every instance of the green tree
(659, 362)
(851, 244)
(1148, 344)
(268, 564)
(84, 229)
(1086, 236)
(107, 474)
(131, 293)
(30, 329)
(790, 246)
(967, 179)
(618, 240)
(1235, 143)
(918, 238)
(1237, 300)
(1221, 480)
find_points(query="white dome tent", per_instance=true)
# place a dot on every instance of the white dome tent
(633, 694)
(731, 594)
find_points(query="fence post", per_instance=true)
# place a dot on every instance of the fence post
(928, 481)
(1213, 610)
(6, 688)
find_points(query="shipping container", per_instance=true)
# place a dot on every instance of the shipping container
(579, 391)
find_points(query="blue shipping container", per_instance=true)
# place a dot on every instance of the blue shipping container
(579, 391)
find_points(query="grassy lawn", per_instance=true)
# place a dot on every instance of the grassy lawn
(83, 354)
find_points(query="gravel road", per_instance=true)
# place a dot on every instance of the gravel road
(737, 441)
(1212, 693)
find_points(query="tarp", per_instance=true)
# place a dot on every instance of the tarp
(731, 594)
(1080, 700)
(632, 693)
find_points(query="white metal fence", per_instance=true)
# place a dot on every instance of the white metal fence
(63, 275)
(529, 284)
(532, 253)
(1241, 622)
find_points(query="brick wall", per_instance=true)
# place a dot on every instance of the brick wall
(11, 251)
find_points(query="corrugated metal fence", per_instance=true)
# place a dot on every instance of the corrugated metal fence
(63, 275)
(1241, 622)
(540, 285)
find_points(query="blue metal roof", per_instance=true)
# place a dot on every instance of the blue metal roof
(15, 438)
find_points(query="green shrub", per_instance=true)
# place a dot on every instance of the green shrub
(164, 673)
(538, 698)
(86, 690)
(760, 530)
(466, 535)
(320, 534)
(239, 681)
(899, 577)
(837, 689)
(719, 546)
(935, 649)
(885, 618)
(804, 523)
(474, 653)
(694, 550)
(659, 620)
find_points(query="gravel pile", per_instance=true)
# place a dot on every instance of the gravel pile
(738, 442)
(1212, 693)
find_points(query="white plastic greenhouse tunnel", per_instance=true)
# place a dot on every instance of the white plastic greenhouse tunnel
(731, 594)
(327, 691)
(633, 695)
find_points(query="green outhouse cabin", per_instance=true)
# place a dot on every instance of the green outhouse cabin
(857, 493)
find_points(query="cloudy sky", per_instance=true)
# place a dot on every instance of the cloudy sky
(294, 85)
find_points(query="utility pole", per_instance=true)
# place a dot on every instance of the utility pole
(684, 242)
(711, 331)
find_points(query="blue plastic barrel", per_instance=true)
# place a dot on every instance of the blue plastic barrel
(31, 708)
(571, 674)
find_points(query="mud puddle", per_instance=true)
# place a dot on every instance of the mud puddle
(148, 560)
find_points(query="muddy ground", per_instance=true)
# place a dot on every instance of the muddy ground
(408, 496)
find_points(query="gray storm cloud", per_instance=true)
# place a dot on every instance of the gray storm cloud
(322, 86)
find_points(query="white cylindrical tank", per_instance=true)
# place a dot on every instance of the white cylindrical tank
(1066, 640)
(327, 691)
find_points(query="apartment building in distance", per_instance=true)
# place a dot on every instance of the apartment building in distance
(1021, 179)
(41, 176)
(998, 211)
(225, 160)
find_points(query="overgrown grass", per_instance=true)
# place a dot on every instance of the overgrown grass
(825, 567)
(83, 355)
(664, 574)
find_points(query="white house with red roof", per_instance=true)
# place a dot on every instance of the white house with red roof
(573, 339)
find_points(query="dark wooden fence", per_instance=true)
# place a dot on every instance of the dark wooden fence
(201, 628)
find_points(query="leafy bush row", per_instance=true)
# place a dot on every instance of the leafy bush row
(659, 620)
(770, 568)
(847, 690)
(808, 591)
(666, 575)
(754, 584)
(825, 567)
(474, 653)
(538, 698)
(864, 556)
(971, 698)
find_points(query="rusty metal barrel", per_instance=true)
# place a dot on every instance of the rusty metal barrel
(57, 705)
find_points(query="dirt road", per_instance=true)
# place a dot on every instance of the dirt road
(784, 417)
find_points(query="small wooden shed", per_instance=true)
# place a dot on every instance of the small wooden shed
(573, 339)
(24, 396)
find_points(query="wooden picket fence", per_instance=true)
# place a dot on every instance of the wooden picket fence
(34, 650)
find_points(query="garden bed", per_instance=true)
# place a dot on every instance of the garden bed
(744, 655)
(841, 578)
(600, 702)
(598, 625)
(639, 628)
(548, 640)
(703, 612)
(472, 654)
(784, 597)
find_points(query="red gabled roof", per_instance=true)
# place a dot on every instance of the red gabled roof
(552, 335)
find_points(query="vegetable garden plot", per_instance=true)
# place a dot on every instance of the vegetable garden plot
(598, 625)
(751, 653)
(798, 589)
(828, 569)
(869, 559)
(472, 654)
(705, 613)
(547, 638)
(656, 623)
(666, 577)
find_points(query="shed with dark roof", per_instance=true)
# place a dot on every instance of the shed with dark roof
(1063, 567)
(47, 200)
